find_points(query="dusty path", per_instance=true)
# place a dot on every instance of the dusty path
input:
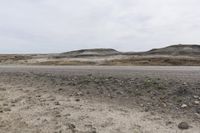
(65, 99)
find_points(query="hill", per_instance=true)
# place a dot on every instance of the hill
(177, 50)
(91, 52)
(174, 55)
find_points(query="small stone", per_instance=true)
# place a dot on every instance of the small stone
(68, 115)
(146, 109)
(13, 101)
(7, 109)
(5, 104)
(196, 102)
(38, 95)
(196, 97)
(79, 93)
(58, 115)
(169, 123)
(183, 126)
(71, 126)
(52, 99)
(185, 83)
(183, 106)
(57, 103)
(198, 110)
(119, 93)
(93, 130)
(77, 100)
(60, 89)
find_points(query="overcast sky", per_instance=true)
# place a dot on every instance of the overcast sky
(42, 26)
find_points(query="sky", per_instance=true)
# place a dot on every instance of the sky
(53, 26)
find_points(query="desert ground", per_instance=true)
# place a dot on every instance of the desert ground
(99, 99)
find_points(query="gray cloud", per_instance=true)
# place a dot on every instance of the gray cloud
(62, 25)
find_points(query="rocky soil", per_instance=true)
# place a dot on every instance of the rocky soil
(99, 99)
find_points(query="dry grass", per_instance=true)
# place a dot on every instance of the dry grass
(169, 61)
(64, 63)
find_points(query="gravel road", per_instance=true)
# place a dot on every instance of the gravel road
(102, 99)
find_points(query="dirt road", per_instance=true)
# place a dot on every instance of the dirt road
(99, 99)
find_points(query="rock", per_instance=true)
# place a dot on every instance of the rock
(169, 123)
(196, 102)
(120, 93)
(183, 106)
(5, 104)
(71, 126)
(93, 130)
(38, 95)
(7, 109)
(13, 101)
(58, 115)
(67, 115)
(183, 126)
(88, 92)
(89, 75)
(77, 99)
(198, 110)
(79, 93)
(52, 99)
(146, 109)
(185, 83)
(57, 103)
(60, 89)
(196, 97)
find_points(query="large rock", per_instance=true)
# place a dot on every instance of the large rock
(183, 126)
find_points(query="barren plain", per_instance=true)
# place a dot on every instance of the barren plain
(99, 99)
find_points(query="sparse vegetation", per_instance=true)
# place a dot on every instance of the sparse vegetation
(177, 55)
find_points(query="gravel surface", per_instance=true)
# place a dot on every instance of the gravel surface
(99, 99)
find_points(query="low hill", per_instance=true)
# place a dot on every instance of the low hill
(174, 55)
(91, 52)
(177, 50)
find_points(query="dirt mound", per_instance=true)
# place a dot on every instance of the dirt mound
(177, 50)
(91, 52)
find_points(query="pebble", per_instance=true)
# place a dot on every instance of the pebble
(146, 109)
(60, 89)
(57, 103)
(169, 123)
(71, 126)
(198, 110)
(183, 126)
(77, 100)
(5, 104)
(58, 115)
(7, 109)
(183, 106)
(196, 102)
(185, 83)
(93, 130)
(79, 93)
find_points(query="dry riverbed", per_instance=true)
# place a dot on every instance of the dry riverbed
(99, 99)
